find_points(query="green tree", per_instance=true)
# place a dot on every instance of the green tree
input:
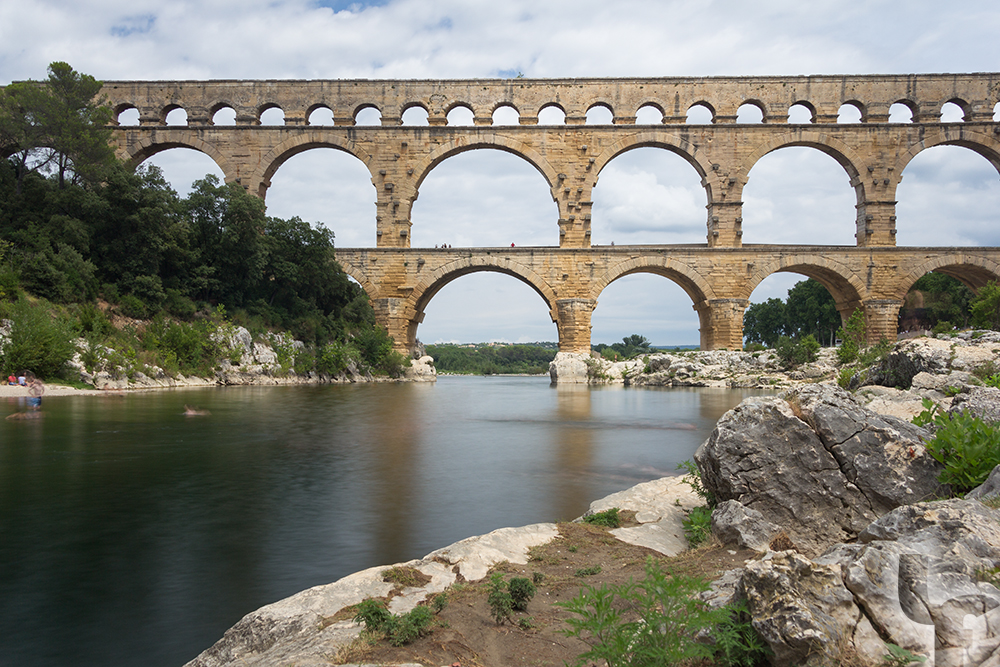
(765, 322)
(986, 307)
(57, 126)
(811, 310)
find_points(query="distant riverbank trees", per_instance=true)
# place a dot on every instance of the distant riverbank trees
(78, 226)
(493, 359)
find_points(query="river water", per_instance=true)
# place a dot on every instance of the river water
(133, 535)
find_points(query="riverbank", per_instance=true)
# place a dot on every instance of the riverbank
(316, 626)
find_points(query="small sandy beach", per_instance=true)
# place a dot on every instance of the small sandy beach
(12, 391)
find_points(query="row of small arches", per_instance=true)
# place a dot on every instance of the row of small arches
(599, 114)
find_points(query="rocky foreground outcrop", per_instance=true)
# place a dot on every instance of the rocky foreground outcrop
(832, 495)
(817, 463)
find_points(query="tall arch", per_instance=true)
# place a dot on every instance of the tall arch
(496, 141)
(693, 283)
(295, 145)
(147, 147)
(974, 271)
(844, 285)
(655, 139)
(845, 156)
(425, 290)
(951, 135)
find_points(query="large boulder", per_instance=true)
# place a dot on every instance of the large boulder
(982, 402)
(817, 463)
(923, 575)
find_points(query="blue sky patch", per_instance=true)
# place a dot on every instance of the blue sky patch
(352, 5)
(131, 25)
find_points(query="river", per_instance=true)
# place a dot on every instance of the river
(131, 534)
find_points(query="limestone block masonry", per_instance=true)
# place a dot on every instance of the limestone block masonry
(719, 276)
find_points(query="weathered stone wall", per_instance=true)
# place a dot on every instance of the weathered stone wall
(719, 276)
(719, 281)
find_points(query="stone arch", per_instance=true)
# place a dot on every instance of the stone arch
(656, 139)
(758, 104)
(702, 103)
(806, 104)
(147, 147)
(297, 144)
(693, 283)
(502, 104)
(429, 286)
(495, 141)
(167, 109)
(950, 135)
(119, 109)
(961, 104)
(846, 288)
(650, 102)
(370, 289)
(972, 270)
(845, 156)
(857, 104)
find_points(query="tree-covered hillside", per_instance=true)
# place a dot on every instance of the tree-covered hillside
(78, 226)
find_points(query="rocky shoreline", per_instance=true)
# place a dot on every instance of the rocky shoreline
(832, 489)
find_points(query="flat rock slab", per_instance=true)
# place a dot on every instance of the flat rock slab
(297, 631)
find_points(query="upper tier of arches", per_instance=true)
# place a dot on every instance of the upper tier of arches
(929, 98)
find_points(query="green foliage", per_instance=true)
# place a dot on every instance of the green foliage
(967, 447)
(373, 613)
(630, 347)
(39, 341)
(926, 415)
(936, 302)
(526, 622)
(521, 591)
(808, 310)
(876, 353)
(651, 622)
(898, 656)
(853, 337)
(499, 599)
(698, 525)
(439, 602)
(986, 307)
(793, 352)
(942, 327)
(737, 642)
(608, 518)
(398, 630)
(765, 322)
(692, 477)
(992, 381)
(492, 359)
(844, 377)
(588, 571)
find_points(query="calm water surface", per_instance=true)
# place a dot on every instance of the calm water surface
(132, 535)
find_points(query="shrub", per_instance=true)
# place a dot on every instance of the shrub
(39, 341)
(853, 336)
(737, 642)
(500, 601)
(698, 525)
(844, 377)
(793, 352)
(986, 307)
(652, 622)
(608, 518)
(132, 306)
(521, 591)
(967, 447)
(942, 327)
(692, 478)
(373, 613)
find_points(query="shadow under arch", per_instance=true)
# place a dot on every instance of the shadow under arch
(490, 141)
(952, 135)
(847, 289)
(295, 145)
(136, 154)
(972, 271)
(845, 156)
(429, 286)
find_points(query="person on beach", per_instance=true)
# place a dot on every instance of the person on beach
(35, 390)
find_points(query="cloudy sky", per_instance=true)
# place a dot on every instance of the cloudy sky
(949, 196)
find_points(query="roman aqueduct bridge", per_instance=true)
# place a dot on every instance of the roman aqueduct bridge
(719, 275)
